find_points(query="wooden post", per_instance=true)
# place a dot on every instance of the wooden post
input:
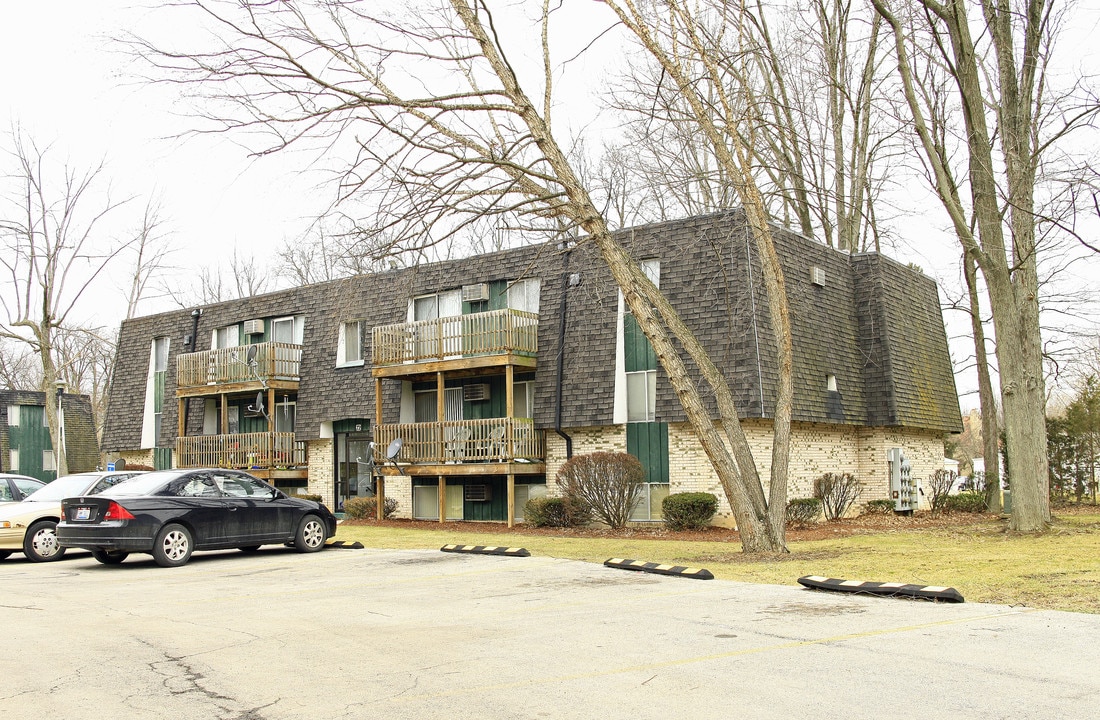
(225, 414)
(442, 498)
(377, 405)
(440, 415)
(380, 498)
(509, 412)
(511, 500)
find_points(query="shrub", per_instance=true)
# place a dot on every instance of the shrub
(359, 508)
(607, 482)
(939, 487)
(688, 511)
(803, 511)
(307, 496)
(969, 502)
(878, 507)
(556, 512)
(837, 492)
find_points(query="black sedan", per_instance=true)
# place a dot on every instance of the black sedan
(170, 513)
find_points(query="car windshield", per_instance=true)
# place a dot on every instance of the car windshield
(64, 487)
(146, 484)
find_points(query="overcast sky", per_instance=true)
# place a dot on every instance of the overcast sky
(63, 82)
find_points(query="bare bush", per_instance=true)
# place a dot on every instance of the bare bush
(939, 487)
(609, 483)
(837, 492)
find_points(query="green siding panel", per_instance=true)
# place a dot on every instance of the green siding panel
(31, 438)
(649, 443)
(638, 352)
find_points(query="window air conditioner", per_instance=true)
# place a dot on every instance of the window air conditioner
(477, 493)
(475, 392)
(475, 293)
(253, 327)
(817, 275)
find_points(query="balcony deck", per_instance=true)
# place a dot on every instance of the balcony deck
(267, 455)
(467, 447)
(276, 365)
(488, 339)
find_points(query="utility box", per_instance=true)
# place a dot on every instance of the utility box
(903, 488)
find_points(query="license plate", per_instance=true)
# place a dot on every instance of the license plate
(83, 513)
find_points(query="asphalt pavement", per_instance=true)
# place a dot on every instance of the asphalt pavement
(425, 634)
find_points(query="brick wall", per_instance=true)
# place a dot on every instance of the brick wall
(319, 469)
(610, 438)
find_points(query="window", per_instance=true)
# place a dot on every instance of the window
(830, 383)
(48, 463)
(13, 460)
(349, 345)
(13, 415)
(282, 330)
(284, 413)
(160, 354)
(641, 396)
(227, 337)
(524, 295)
(523, 400)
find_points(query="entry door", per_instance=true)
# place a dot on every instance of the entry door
(353, 455)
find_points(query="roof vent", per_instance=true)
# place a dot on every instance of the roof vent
(475, 293)
(817, 275)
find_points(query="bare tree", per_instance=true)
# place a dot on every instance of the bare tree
(151, 251)
(19, 368)
(447, 135)
(244, 277)
(85, 362)
(55, 245)
(993, 56)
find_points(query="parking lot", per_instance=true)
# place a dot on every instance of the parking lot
(424, 634)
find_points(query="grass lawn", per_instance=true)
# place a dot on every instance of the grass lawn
(1058, 570)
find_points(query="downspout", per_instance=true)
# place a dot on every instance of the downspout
(562, 308)
(195, 315)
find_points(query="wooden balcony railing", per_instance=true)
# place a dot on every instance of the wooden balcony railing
(243, 450)
(466, 441)
(271, 361)
(489, 333)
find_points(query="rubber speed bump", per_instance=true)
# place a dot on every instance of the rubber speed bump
(344, 545)
(887, 589)
(486, 550)
(658, 569)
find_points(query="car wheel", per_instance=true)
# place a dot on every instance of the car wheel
(173, 546)
(110, 557)
(40, 542)
(311, 534)
(249, 548)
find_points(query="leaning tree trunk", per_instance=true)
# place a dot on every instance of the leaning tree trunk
(990, 430)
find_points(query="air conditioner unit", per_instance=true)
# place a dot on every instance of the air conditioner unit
(253, 327)
(477, 493)
(817, 275)
(475, 392)
(475, 293)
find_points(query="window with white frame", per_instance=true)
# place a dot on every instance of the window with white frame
(523, 400)
(13, 415)
(160, 354)
(641, 396)
(282, 330)
(524, 295)
(48, 463)
(349, 344)
(13, 460)
(227, 337)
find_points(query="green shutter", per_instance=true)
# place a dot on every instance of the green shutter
(638, 352)
(649, 443)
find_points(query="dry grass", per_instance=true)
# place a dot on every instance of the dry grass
(1059, 569)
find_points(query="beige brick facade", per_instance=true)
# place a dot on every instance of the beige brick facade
(133, 457)
(320, 469)
(815, 450)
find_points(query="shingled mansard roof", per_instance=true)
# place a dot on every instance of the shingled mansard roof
(874, 325)
(81, 447)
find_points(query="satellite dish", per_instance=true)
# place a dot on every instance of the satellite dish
(250, 356)
(394, 448)
(258, 408)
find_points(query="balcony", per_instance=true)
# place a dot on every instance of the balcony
(234, 369)
(498, 337)
(466, 447)
(267, 454)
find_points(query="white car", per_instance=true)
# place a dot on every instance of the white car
(29, 526)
